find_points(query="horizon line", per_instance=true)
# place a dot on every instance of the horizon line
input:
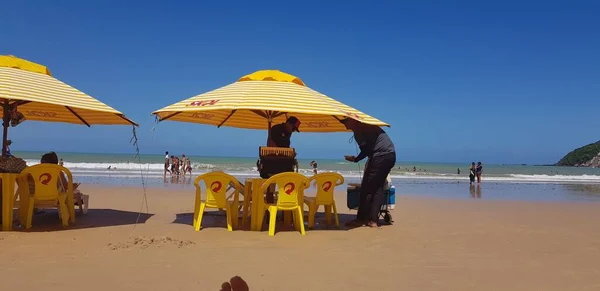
(247, 157)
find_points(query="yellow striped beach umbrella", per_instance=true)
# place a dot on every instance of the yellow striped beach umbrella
(262, 98)
(29, 92)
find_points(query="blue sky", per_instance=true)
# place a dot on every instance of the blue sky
(503, 82)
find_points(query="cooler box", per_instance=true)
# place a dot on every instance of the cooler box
(353, 197)
(392, 198)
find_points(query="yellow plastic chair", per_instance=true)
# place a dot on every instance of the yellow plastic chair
(47, 178)
(216, 197)
(326, 183)
(290, 189)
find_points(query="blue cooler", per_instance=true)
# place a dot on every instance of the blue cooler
(392, 198)
(353, 197)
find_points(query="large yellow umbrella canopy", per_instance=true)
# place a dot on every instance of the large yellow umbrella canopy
(29, 89)
(263, 98)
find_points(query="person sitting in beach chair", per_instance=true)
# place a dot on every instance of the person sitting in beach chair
(81, 199)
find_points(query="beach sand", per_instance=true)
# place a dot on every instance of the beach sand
(435, 244)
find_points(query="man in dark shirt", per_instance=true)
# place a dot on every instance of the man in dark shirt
(375, 144)
(280, 134)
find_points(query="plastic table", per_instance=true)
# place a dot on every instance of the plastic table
(8, 195)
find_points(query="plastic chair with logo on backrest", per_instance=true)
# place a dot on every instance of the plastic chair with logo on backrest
(216, 197)
(46, 178)
(326, 183)
(290, 188)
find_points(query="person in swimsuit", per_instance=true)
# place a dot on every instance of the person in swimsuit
(472, 173)
(314, 166)
(167, 164)
(173, 159)
(478, 172)
(177, 165)
(188, 167)
(183, 164)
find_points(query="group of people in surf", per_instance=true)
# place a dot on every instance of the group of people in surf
(177, 166)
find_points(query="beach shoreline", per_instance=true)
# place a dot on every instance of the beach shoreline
(340, 193)
(488, 190)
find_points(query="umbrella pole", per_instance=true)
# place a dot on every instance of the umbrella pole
(269, 131)
(5, 121)
(269, 123)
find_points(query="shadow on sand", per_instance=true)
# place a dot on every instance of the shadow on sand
(49, 221)
(217, 219)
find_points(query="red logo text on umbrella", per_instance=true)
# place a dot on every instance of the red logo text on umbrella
(45, 178)
(216, 186)
(289, 188)
(353, 115)
(326, 186)
(41, 113)
(203, 115)
(204, 102)
(317, 124)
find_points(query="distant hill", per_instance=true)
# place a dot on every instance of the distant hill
(587, 156)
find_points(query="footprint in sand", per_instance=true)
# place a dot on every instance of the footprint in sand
(145, 242)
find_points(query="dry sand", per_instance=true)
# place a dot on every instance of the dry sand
(435, 244)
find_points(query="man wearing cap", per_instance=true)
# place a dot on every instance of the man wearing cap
(375, 144)
(280, 134)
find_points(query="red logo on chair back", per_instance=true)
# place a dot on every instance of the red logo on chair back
(216, 186)
(326, 186)
(289, 188)
(45, 178)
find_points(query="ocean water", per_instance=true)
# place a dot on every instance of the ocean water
(509, 181)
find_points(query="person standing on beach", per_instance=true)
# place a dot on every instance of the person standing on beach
(479, 171)
(173, 159)
(472, 171)
(183, 164)
(167, 164)
(280, 135)
(176, 166)
(313, 164)
(375, 144)
(188, 167)
(8, 143)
